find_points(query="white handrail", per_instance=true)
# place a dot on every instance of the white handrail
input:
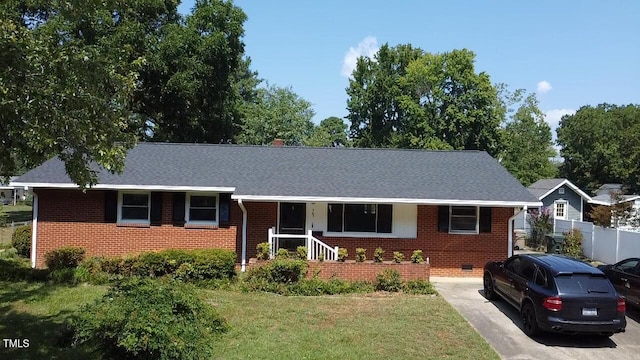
(314, 246)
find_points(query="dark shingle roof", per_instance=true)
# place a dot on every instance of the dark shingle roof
(310, 172)
(543, 186)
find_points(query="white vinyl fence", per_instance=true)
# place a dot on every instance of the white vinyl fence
(603, 244)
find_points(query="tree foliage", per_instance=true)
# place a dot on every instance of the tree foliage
(528, 142)
(278, 113)
(83, 80)
(331, 132)
(619, 213)
(406, 97)
(601, 145)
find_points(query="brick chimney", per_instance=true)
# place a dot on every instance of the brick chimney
(278, 142)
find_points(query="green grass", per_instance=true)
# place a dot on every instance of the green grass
(268, 326)
(18, 213)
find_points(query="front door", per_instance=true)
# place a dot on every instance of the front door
(292, 221)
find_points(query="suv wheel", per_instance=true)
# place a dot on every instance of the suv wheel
(529, 322)
(489, 291)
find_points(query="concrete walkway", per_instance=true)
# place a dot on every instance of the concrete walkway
(499, 324)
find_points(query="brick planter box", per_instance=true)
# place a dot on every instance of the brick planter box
(365, 271)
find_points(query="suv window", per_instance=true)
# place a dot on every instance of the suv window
(513, 265)
(527, 270)
(582, 283)
(541, 277)
(627, 266)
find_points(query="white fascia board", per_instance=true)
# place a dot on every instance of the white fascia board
(385, 200)
(128, 187)
(573, 187)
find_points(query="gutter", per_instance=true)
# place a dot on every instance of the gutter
(34, 231)
(510, 245)
(244, 235)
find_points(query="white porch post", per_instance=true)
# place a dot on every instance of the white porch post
(34, 231)
(270, 237)
(309, 243)
(244, 236)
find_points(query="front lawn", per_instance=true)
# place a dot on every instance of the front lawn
(267, 326)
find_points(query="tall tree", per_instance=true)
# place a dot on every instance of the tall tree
(405, 97)
(187, 92)
(529, 148)
(278, 113)
(69, 72)
(84, 79)
(332, 132)
(601, 145)
(374, 95)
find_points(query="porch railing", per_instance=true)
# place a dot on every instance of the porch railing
(315, 247)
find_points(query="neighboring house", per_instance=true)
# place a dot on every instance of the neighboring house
(455, 206)
(603, 197)
(567, 200)
(10, 195)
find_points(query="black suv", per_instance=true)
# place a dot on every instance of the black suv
(556, 293)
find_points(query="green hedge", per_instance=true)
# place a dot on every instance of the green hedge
(185, 265)
(21, 240)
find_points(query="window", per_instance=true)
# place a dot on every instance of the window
(202, 208)
(463, 219)
(627, 266)
(373, 218)
(561, 191)
(561, 209)
(134, 207)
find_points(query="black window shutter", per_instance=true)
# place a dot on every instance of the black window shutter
(443, 218)
(178, 208)
(334, 217)
(385, 218)
(225, 209)
(485, 219)
(156, 208)
(110, 206)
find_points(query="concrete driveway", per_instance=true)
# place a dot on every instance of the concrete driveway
(499, 323)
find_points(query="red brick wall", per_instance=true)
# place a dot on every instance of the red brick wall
(446, 252)
(73, 218)
(352, 271)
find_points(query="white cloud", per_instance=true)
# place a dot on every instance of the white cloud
(544, 87)
(367, 47)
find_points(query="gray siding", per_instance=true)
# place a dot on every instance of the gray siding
(573, 202)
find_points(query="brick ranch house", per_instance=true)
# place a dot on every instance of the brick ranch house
(455, 206)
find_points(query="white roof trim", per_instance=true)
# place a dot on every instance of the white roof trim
(127, 187)
(386, 200)
(609, 203)
(573, 187)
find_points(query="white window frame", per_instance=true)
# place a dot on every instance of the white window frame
(565, 209)
(187, 206)
(561, 191)
(477, 229)
(134, 221)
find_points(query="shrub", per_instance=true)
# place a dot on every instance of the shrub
(388, 280)
(146, 319)
(419, 287)
(361, 255)
(321, 256)
(398, 257)
(186, 265)
(64, 276)
(301, 253)
(10, 253)
(279, 270)
(282, 254)
(67, 257)
(541, 223)
(263, 251)
(378, 255)
(21, 240)
(416, 257)
(342, 254)
(573, 243)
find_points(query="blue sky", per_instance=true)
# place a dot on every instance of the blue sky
(572, 53)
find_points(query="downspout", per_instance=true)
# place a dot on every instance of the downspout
(34, 230)
(510, 249)
(244, 236)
